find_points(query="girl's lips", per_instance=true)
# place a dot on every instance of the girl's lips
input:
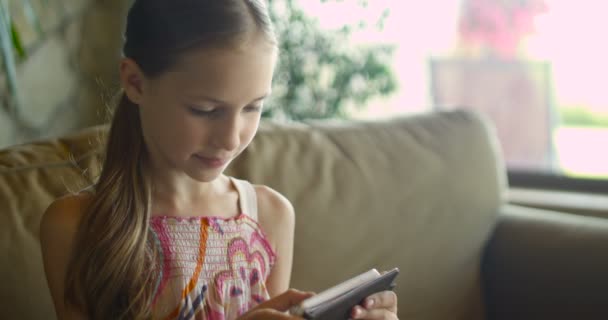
(211, 161)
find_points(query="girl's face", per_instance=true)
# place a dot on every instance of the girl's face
(197, 117)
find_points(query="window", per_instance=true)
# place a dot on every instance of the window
(544, 71)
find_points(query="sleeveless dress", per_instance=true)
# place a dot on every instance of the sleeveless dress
(211, 267)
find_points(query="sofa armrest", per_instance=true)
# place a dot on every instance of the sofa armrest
(542, 264)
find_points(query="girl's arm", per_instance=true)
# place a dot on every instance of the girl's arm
(57, 230)
(277, 219)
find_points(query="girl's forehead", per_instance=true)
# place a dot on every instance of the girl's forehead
(225, 71)
(222, 61)
(255, 49)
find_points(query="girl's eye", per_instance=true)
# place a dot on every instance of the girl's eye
(203, 113)
(253, 108)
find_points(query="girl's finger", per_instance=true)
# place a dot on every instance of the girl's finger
(285, 300)
(373, 314)
(382, 300)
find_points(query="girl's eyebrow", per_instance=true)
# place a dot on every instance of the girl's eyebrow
(218, 101)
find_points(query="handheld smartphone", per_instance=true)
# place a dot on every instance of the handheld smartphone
(337, 302)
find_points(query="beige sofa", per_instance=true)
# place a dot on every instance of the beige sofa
(423, 193)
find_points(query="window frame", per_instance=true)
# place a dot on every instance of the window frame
(553, 181)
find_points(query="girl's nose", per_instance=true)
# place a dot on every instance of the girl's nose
(227, 136)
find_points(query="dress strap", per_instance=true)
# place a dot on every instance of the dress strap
(247, 198)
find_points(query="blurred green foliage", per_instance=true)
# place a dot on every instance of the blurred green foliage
(320, 74)
(582, 117)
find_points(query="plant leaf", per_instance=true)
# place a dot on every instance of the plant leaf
(17, 43)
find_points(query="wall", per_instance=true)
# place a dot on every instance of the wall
(69, 73)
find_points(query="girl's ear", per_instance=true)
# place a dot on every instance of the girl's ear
(132, 80)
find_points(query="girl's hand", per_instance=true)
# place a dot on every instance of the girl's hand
(381, 305)
(276, 308)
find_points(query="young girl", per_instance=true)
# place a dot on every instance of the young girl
(163, 234)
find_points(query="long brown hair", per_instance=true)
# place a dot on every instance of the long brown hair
(112, 273)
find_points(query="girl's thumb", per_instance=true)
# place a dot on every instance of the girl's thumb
(286, 300)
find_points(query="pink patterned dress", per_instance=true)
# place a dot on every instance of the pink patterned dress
(211, 268)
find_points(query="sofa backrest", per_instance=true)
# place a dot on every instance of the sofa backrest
(31, 176)
(420, 193)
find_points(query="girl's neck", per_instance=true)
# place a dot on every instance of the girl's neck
(189, 197)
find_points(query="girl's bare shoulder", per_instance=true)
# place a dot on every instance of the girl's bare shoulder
(64, 213)
(275, 214)
(272, 205)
